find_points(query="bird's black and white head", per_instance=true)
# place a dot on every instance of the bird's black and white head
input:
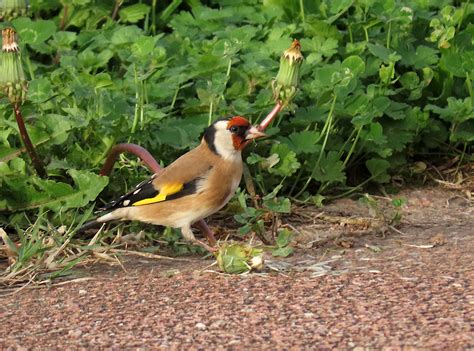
(229, 136)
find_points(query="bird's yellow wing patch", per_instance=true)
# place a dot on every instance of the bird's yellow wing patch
(166, 190)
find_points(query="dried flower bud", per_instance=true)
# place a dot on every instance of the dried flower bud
(236, 258)
(286, 82)
(10, 9)
(12, 78)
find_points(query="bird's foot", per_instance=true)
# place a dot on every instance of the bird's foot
(207, 231)
(211, 249)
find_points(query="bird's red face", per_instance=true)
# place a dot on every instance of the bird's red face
(242, 132)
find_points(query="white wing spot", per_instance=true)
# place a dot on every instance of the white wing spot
(137, 191)
(126, 202)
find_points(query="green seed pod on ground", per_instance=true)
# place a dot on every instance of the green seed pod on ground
(12, 77)
(236, 258)
(286, 82)
(10, 9)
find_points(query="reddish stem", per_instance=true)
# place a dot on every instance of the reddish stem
(62, 24)
(154, 166)
(37, 162)
(135, 149)
(117, 5)
(270, 117)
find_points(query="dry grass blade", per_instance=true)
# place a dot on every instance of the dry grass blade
(51, 258)
(10, 249)
(147, 255)
(17, 290)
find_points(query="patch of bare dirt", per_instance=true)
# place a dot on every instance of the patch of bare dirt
(353, 283)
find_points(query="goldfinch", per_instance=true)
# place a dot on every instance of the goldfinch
(196, 185)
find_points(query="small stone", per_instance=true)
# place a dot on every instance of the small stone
(82, 292)
(200, 326)
(75, 333)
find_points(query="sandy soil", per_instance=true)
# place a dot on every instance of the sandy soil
(351, 284)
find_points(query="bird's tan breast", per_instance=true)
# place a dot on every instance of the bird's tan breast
(223, 180)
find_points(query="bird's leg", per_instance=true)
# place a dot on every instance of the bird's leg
(207, 231)
(189, 236)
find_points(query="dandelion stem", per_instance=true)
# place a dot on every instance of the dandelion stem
(37, 162)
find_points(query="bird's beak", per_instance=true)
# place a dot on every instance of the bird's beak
(253, 133)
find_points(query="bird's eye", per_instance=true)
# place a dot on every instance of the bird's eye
(234, 129)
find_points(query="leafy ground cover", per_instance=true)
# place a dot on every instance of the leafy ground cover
(386, 92)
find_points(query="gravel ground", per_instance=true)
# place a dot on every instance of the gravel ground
(406, 290)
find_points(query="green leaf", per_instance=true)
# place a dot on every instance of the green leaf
(144, 46)
(457, 63)
(33, 192)
(284, 237)
(318, 200)
(283, 251)
(386, 54)
(338, 5)
(375, 134)
(134, 13)
(355, 64)
(126, 35)
(423, 56)
(410, 80)
(63, 40)
(288, 163)
(329, 169)
(39, 90)
(303, 142)
(399, 202)
(378, 169)
(34, 32)
(278, 205)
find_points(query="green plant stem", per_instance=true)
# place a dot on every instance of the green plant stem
(37, 162)
(351, 150)
(323, 187)
(302, 11)
(175, 96)
(227, 77)
(137, 100)
(469, 87)
(366, 33)
(211, 107)
(329, 125)
(344, 194)
(326, 130)
(462, 158)
(146, 25)
(153, 17)
(298, 176)
(168, 11)
(343, 147)
(142, 102)
(29, 65)
(229, 66)
(389, 33)
(466, 4)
